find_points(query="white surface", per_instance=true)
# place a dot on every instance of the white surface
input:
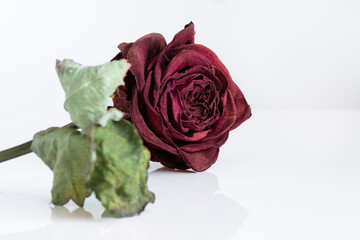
(283, 175)
(290, 172)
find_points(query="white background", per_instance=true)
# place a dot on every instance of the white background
(289, 172)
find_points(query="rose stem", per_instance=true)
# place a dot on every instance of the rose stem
(23, 149)
(15, 151)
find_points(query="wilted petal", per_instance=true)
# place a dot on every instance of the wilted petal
(184, 61)
(183, 37)
(121, 102)
(201, 160)
(141, 53)
(147, 135)
(243, 110)
(124, 48)
(228, 116)
(206, 52)
(206, 143)
(168, 160)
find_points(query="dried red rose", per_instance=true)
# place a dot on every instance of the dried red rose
(181, 99)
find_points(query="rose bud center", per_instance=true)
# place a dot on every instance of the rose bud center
(191, 105)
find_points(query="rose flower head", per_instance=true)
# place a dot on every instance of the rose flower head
(181, 99)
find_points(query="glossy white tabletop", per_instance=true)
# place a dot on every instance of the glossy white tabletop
(281, 175)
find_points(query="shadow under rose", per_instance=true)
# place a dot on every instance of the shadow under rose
(188, 205)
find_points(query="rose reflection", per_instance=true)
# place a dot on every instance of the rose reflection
(188, 205)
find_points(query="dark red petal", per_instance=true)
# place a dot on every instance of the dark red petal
(185, 36)
(206, 52)
(147, 135)
(167, 159)
(118, 56)
(141, 53)
(156, 124)
(206, 143)
(185, 60)
(223, 80)
(243, 110)
(151, 114)
(228, 117)
(120, 101)
(171, 108)
(124, 48)
(201, 160)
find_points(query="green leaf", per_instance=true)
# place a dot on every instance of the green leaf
(120, 173)
(112, 114)
(88, 89)
(68, 153)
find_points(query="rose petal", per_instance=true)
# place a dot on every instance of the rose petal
(124, 48)
(243, 110)
(226, 120)
(183, 37)
(171, 108)
(120, 101)
(185, 59)
(204, 51)
(168, 159)
(206, 143)
(118, 56)
(223, 80)
(141, 53)
(200, 160)
(156, 124)
(147, 135)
